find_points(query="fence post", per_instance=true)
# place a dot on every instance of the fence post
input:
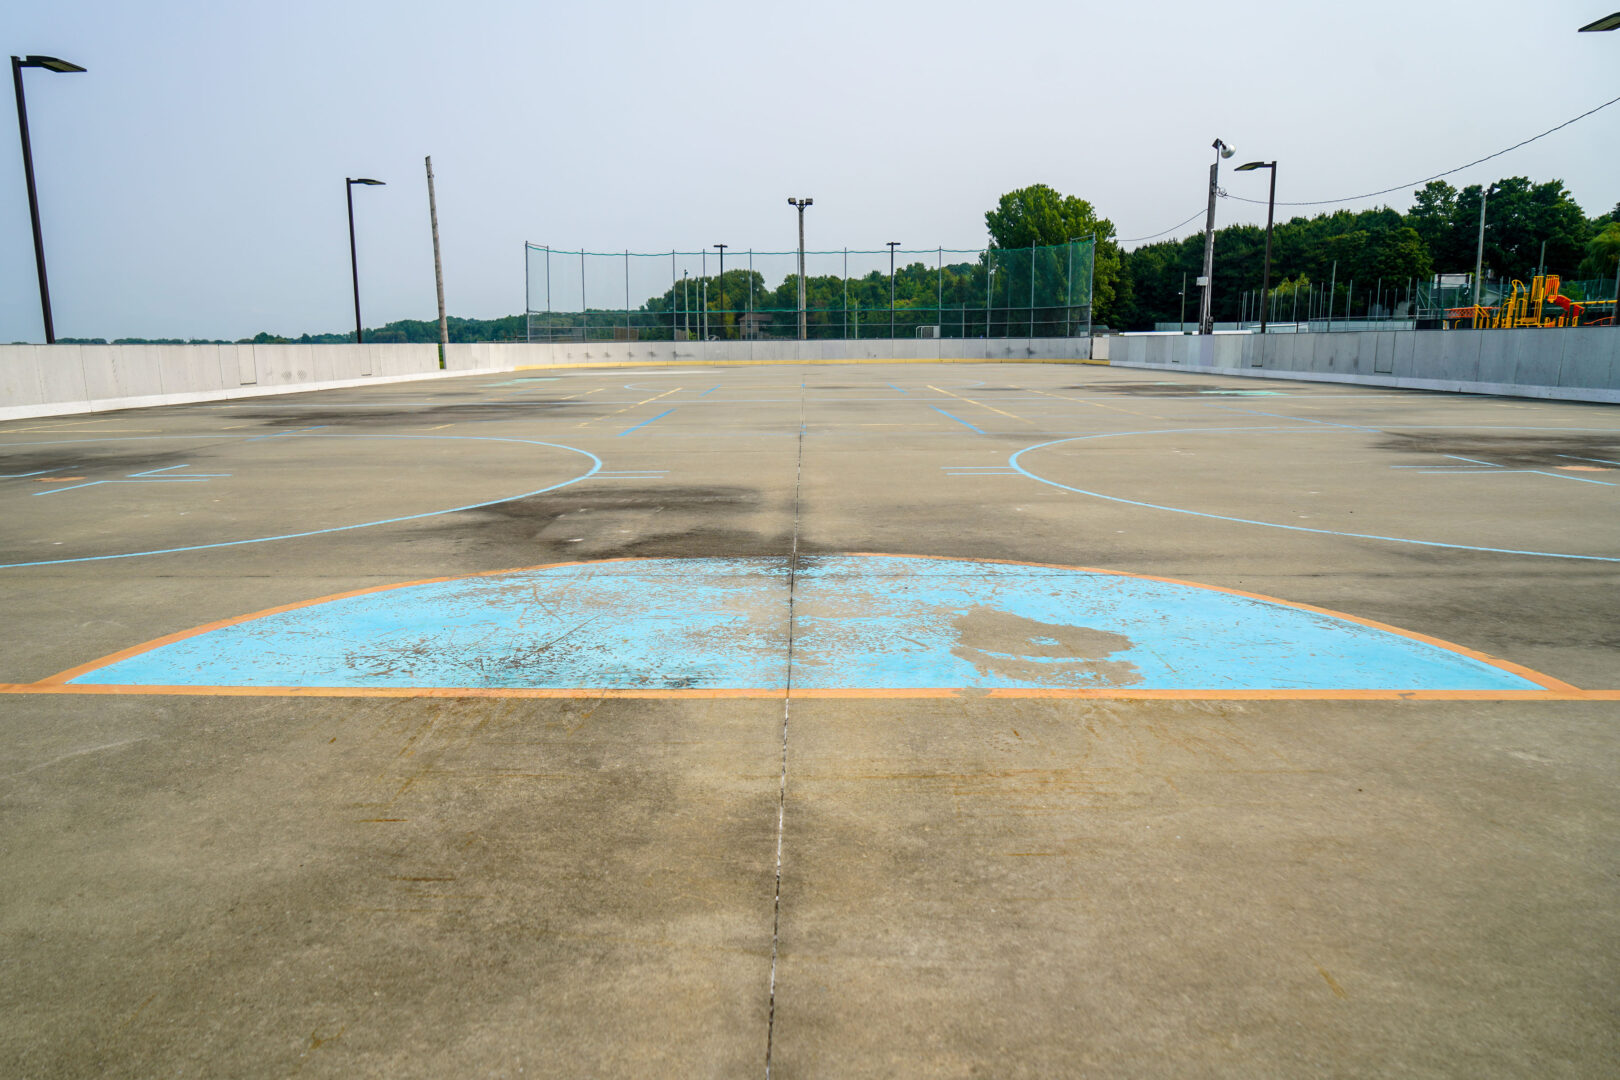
(1032, 290)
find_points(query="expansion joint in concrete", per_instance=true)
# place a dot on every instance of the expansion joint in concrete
(787, 712)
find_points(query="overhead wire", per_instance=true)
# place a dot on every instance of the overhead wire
(1436, 176)
(1161, 232)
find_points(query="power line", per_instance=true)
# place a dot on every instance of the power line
(1161, 232)
(1436, 176)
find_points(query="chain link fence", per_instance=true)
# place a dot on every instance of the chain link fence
(732, 295)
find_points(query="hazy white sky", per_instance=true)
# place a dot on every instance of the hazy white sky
(192, 182)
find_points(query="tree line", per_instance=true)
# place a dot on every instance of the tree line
(1529, 225)
(1438, 235)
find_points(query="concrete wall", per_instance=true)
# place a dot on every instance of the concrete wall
(55, 380)
(52, 380)
(1570, 364)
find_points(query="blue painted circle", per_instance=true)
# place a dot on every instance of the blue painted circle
(596, 464)
(858, 622)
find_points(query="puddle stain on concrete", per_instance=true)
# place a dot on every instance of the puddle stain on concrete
(1042, 652)
(865, 622)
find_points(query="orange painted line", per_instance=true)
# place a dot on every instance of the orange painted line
(58, 681)
(1306, 695)
(1540, 678)
(395, 691)
(879, 692)
(763, 693)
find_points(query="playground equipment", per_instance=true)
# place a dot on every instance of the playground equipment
(1525, 307)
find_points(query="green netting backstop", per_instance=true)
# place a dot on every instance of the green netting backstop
(688, 295)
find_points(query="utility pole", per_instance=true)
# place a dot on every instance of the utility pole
(1206, 323)
(1479, 255)
(438, 266)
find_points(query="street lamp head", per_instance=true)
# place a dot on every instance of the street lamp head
(1253, 165)
(49, 63)
(809, 202)
(369, 182)
(1608, 22)
(1226, 151)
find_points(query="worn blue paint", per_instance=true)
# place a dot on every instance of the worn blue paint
(862, 622)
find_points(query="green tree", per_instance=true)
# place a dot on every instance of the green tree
(1042, 216)
(1602, 254)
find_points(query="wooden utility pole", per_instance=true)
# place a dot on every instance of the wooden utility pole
(438, 267)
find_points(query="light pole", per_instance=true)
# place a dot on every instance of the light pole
(49, 63)
(892, 245)
(722, 248)
(803, 321)
(354, 260)
(1206, 324)
(1271, 206)
(1479, 254)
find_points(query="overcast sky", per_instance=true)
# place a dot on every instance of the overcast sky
(192, 182)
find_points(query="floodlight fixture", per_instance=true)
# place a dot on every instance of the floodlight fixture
(50, 63)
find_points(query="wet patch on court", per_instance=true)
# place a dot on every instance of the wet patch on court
(1539, 451)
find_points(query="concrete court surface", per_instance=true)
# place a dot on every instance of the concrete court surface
(813, 746)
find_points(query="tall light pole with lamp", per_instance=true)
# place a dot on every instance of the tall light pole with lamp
(49, 63)
(722, 248)
(803, 321)
(1271, 206)
(354, 260)
(1608, 22)
(1206, 324)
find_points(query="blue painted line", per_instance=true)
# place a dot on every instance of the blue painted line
(1561, 476)
(1572, 457)
(645, 422)
(1014, 462)
(596, 463)
(710, 390)
(1473, 461)
(20, 475)
(891, 386)
(958, 419)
